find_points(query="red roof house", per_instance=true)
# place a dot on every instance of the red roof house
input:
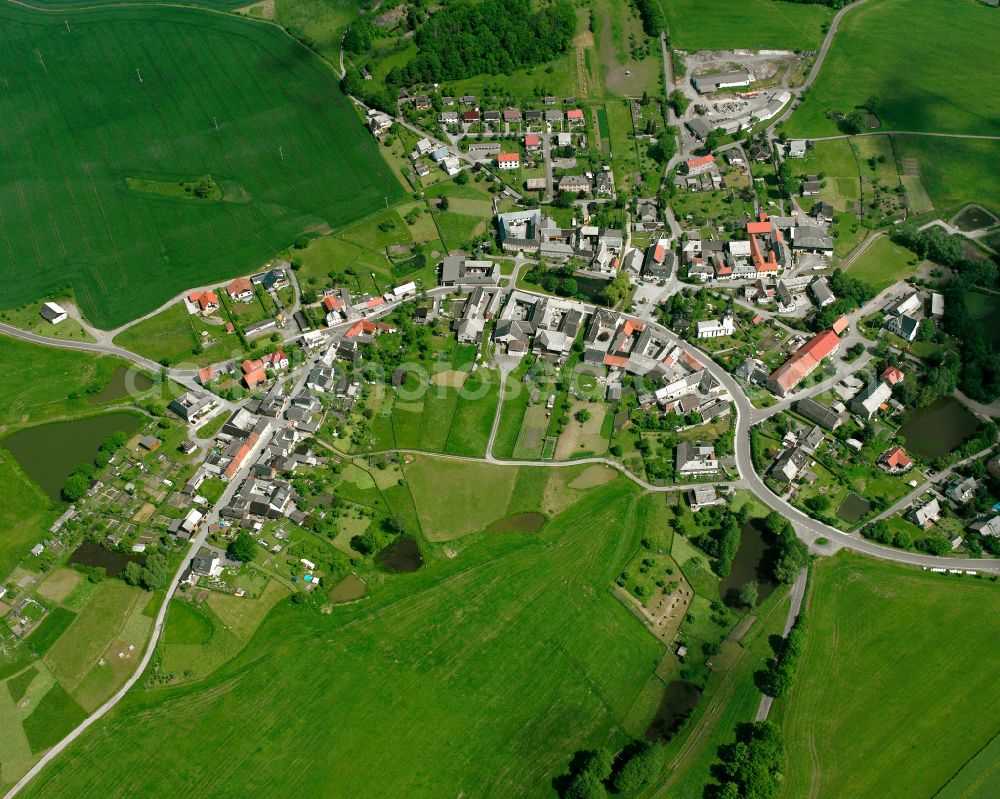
(240, 290)
(695, 166)
(840, 325)
(896, 459)
(892, 375)
(207, 301)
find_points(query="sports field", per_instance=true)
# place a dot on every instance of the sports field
(478, 675)
(894, 665)
(903, 52)
(750, 24)
(167, 94)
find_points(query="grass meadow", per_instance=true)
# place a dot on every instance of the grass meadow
(902, 51)
(494, 666)
(751, 24)
(893, 666)
(882, 264)
(218, 95)
(954, 171)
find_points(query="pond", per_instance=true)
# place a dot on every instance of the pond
(50, 452)
(530, 522)
(590, 287)
(114, 563)
(750, 564)
(853, 508)
(938, 428)
(350, 589)
(124, 383)
(679, 699)
(402, 556)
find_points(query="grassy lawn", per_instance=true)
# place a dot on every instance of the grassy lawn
(873, 54)
(883, 263)
(282, 137)
(27, 317)
(910, 635)
(175, 335)
(446, 667)
(752, 24)
(835, 162)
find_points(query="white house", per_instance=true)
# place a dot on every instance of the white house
(693, 459)
(715, 328)
(51, 312)
(509, 161)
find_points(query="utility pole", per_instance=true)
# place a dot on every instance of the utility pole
(215, 122)
(137, 72)
(67, 26)
(281, 153)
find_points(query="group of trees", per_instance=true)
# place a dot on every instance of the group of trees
(491, 37)
(936, 244)
(722, 541)
(151, 575)
(77, 484)
(851, 293)
(242, 548)
(597, 774)
(359, 37)
(788, 555)
(778, 678)
(379, 536)
(980, 362)
(751, 766)
(651, 15)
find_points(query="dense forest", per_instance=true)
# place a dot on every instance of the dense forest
(492, 37)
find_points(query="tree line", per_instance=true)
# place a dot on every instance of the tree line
(652, 17)
(600, 773)
(778, 678)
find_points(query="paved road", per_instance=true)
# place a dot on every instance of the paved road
(906, 133)
(797, 594)
(808, 529)
(161, 616)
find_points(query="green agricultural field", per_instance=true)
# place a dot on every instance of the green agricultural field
(883, 263)
(219, 95)
(446, 669)
(952, 171)
(979, 778)
(903, 52)
(52, 719)
(753, 24)
(890, 642)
